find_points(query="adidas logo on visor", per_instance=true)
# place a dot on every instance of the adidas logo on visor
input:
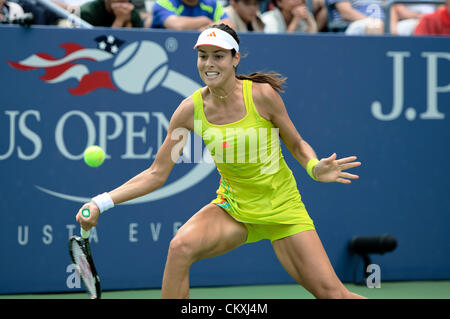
(217, 37)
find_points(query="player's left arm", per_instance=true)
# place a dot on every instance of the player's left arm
(270, 105)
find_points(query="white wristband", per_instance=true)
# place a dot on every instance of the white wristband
(103, 201)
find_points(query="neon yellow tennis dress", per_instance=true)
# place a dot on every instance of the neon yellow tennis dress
(256, 186)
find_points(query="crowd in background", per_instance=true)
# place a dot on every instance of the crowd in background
(351, 17)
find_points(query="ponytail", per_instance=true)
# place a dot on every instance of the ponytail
(276, 80)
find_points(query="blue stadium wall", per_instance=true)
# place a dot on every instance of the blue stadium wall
(385, 99)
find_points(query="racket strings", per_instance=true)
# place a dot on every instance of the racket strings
(83, 268)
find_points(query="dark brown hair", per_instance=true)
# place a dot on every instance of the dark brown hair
(274, 79)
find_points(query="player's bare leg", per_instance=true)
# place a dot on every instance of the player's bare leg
(304, 258)
(210, 232)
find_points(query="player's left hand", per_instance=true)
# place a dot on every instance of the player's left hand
(330, 169)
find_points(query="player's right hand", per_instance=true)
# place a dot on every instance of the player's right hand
(88, 222)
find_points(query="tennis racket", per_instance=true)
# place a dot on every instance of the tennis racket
(80, 253)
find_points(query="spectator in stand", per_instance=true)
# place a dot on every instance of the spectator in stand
(144, 7)
(404, 18)
(245, 15)
(436, 23)
(320, 13)
(41, 15)
(188, 14)
(73, 6)
(111, 13)
(9, 11)
(364, 16)
(289, 16)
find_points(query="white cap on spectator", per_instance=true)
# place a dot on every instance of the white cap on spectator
(218, 38)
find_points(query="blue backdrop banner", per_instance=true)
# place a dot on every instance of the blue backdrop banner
(384, 99)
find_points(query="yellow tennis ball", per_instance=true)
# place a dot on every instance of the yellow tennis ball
(94, 156)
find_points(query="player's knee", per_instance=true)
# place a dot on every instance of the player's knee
(182, 249)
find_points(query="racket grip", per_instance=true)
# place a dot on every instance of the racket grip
(84, 233)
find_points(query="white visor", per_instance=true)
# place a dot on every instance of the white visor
(217, 38)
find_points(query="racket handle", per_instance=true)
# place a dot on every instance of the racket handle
(84, 233)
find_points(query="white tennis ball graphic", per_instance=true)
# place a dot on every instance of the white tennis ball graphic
(140, 67)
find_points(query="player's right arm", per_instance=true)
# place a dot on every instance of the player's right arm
(155, 176)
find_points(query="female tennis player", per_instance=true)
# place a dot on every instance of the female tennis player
(258, 196)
